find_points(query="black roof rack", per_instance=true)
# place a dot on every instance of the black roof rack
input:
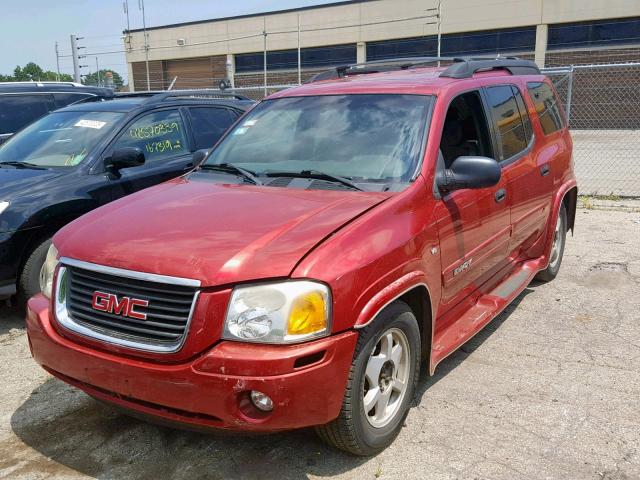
(460, 67)
(162, 95)
(465, 68)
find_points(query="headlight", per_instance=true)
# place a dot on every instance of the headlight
(287, 312)
(3, 206)
(48, 269)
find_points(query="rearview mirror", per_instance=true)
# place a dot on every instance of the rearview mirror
(126, 157)
(469, 172)
(199, 156)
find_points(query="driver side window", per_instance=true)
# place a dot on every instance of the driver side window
(160, 135)
(465, 131)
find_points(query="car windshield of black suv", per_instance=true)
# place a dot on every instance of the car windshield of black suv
(61, 139)
(358, 138)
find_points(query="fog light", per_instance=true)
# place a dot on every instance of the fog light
(261, 401)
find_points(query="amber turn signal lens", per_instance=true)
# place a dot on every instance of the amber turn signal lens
(308, 314)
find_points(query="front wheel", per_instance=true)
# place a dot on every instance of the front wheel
(30, 275)
(381, 385)
(557, 247)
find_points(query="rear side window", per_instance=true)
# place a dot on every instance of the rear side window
(546, 105)
(16, 111)
(160, 135)
(209, 123)
(67, 98)
(512, 137)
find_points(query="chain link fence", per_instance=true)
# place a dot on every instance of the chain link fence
(602, 103)
(603, 106)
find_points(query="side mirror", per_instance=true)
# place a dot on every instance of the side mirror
(469, 172)
(126, 157)
(199, 156)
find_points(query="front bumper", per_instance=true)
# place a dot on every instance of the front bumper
(306, 381)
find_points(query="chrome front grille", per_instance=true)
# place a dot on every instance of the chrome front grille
(134, 309)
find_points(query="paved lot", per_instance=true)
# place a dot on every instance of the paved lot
(607, 161)
(550, 389)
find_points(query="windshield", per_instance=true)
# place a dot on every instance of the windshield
(370, 138)
(61, 139)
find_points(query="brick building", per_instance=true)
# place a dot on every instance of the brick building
(555, 32)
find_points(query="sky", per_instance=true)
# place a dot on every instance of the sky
(29, 29)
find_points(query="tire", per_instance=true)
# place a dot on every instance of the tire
(557, 248)
(29, 283)
(363, 433)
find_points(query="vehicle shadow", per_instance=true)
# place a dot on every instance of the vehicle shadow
(461, 354)
(11, 317)
(78, 433)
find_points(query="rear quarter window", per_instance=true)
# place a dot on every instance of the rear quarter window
(16, 111)
(546, 104)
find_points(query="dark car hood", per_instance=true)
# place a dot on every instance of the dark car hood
(16, 182)
(218, 234)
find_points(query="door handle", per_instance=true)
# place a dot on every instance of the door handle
(545, 169)
(501, 195)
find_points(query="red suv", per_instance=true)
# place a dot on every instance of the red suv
(342, 235)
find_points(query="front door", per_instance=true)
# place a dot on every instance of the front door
(161, 135)
(473, 225)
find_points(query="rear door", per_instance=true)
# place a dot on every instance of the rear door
(528, 183)
(162, 136)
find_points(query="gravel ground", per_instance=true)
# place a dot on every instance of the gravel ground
(550, 389)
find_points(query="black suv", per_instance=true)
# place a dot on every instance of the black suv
(83, 156)
(23, 102)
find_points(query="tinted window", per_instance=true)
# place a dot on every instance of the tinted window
(209, 124)
(488, 41)
(524, 114)
(160, 135)
(599, 32)
(369, 137)
(506, 116)
(18, 110)
(546, 105)
(288, 59)
(61, 139)
(67, 98)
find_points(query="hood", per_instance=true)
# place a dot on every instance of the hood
(16, 182)
(218, 234)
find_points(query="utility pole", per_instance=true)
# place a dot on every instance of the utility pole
(146, 42)
(75, 57)
(98, 72)
(57, 63)
(439, 28)
(299, 55)
(264, 33)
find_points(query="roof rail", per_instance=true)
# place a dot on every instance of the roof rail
(377, 66)
(465, 68)
(162, 95)
(461, 67)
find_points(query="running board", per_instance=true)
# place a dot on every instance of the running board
(486, 308)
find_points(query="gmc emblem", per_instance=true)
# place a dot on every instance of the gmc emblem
(125, 306)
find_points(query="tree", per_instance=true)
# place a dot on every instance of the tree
(94, 79)
(32, 72)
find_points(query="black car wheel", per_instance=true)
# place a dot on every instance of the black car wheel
(381, 385)
(29, 283)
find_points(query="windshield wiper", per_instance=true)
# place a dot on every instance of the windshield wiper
(233, 169)
(13, 163)
(316, 174)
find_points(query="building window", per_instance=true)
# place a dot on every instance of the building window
(596, 33)
(457, 44)
(316, 57)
